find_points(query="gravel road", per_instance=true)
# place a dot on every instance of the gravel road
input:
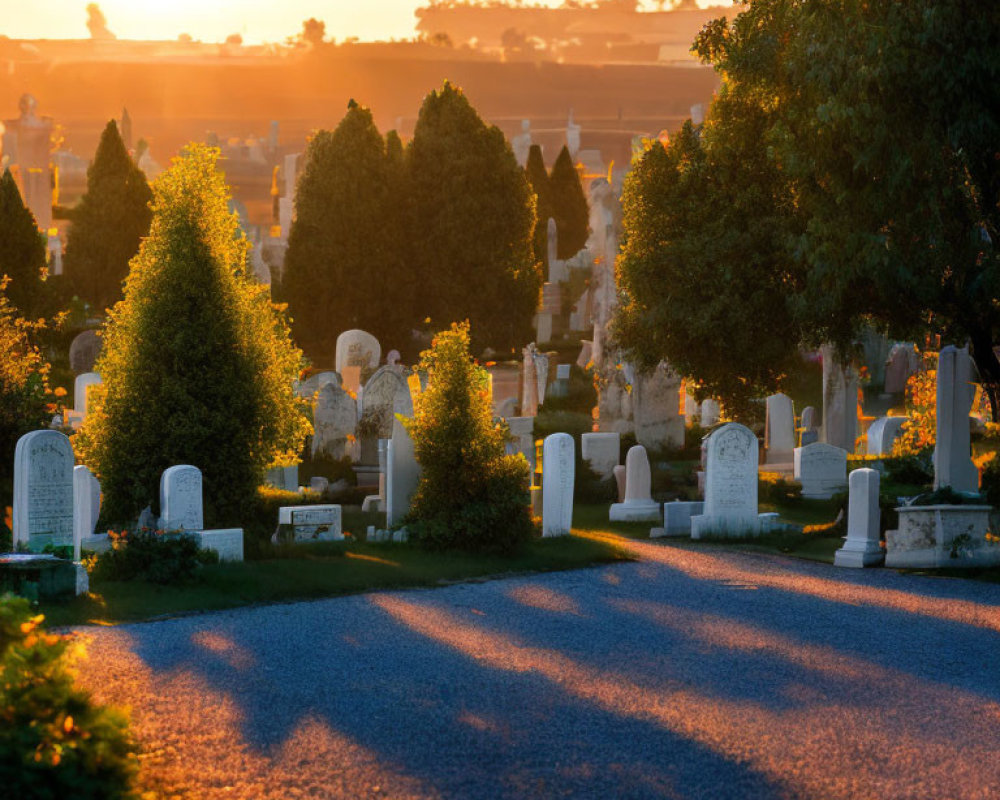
(692, 673)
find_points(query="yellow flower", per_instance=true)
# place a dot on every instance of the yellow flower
(59, 391)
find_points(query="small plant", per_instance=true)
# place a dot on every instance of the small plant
(772, 487)
(54, 741)
(915, 469)
(154, 556)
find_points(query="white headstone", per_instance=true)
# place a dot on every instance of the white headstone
(710, 412)
(356, 348)
(862, 548)
(43, 490)
(402, 470)
(81, 387)
(86, 506)
(730, 484)
(314, 523)
(779, 438)
(562, 372)
(335, 417)
(821, 469)
(808, 418)
(393, 358)
(572, 135)
(180, 499)
(677, 518)
(840, 402)
(639, 504)
(882, 434)
(558, 474)
(602, 451)
(953, 450)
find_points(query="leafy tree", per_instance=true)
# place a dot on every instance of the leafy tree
(886, 123)
(472, 224)
(54, 740)
(313, 32)
(197, 364)
(22, 251)
(344, 267)
(471, 495)
(538, 177)
(569, 205)
(108, 223)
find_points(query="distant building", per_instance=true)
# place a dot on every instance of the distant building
(26, 145)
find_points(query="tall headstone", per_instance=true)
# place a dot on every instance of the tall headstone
(541, 375)
(529, 383)
(43, 490)
(86, 506)
(335, 417)
(779, 437)
(558, 474)
(656, 408)
(402, 470)
(862, 548)
(953, 451)
(730, 484)
(602, 451)
(840, 402)
(181, 499)
(821, 469)
(357, 348)
(81, 387)
(639, 504)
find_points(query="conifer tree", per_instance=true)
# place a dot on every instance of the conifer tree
(569, 205)
(344, 265)
(108, 223)
(472, 224)
(538, 177)
(197, 363)
(22, 251)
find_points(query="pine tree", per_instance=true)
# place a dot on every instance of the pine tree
(108, 223)
(472, 224)
(569, 206)
(538, 177)
(344, 265)
(22, 251)
(197, 364)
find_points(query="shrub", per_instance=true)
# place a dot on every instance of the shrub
(154, 556)
(989, 484)
(54, 741)
(580, 397)
(916, 469)
(471, 495)
(773, 488)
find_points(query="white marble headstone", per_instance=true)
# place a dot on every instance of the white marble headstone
(402, 470)
(779, 439)
(86, 506)
(821, 469)
(953, 450)
(602, 451)
(558, 474)
(357, 348)
(639, 504)
(862, 548)
(180, 499)
(730, 484)
(43, 490)
(81, 387)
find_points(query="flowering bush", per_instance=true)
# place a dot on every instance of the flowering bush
(919, 431)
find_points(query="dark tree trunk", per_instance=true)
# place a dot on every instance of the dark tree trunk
(989, 369)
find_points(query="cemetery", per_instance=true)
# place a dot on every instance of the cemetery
(680, 446)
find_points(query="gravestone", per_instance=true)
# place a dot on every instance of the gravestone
(692, 411)
(862, 547)
(779, 434)
(639, 504)
(903, 361)
(840, 402)
(710, 412)
(558, 473)
(953, 450)
(808, 418)
(541, 375)
(529, 382)
(86, 507)
(314, 383)
(656, 409)
(319, 483)
(286, 478)
(619, 473)
(315, 523)
(677, 518)
(552, 243)
(81, 387)
(522, 433)
(393, 358)
(586, 354)
(730, 484)
(377, 403)
(84, 352)
(180, 499)
(43, 490)
(821, 469)
(881, 435)
(335, 417)
(402, 470)
(602, 451)
(357, 348)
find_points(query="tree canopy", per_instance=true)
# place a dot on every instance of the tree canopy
(108, 223)
(538, 178)
(197, 363)
(569, 205)
(22, 251)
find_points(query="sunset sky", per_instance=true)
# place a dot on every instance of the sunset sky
(214, 20)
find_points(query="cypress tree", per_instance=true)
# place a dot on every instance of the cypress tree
(197, 364)
(108, 223)
(22, 251)
(538, 177)
(472, 224)
(569, 205)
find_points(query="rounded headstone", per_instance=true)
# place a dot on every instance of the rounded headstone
(84, 351)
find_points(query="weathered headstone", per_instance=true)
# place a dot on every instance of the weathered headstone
(43, 490)
(541, 375)
(881, 435)
(402, 470)
(558, 473)
(286, 478)
(862, 548)
(710, 412)
(86, 506)
(953, 450)
(779, 437)
(84, 352)
(901, 364)
(378, 401)
(639, 504)
(602, 451)
(314, 383)
(656, 409)
(335, 417)
(81, 387)
(180, 499)
(357, 348)
(315, 523)
(821, 469)
(730, 484)
(529, 382)
(840, 402)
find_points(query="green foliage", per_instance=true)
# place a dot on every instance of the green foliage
(471, 495)
(54, 741)
(154, 556)
(197, 364)
(989, 485)
(913, 470)
(538, 178)
(345, 267)
(108, 223)
(580, 397)
(22, 252)
(472, 224)
(776, 489)
(569, 206)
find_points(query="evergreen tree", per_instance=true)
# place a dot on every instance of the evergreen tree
(569, 206)
(538, 177)
(472, 224)
(108, 223)
(344, 266)
(471, 495)
(197, 363)
(22, 251)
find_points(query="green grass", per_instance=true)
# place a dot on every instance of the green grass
(325, 569)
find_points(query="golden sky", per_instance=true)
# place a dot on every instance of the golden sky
(213, 20)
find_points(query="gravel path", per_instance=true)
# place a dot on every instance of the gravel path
(689, 674)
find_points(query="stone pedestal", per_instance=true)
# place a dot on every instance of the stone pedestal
(941, 536)
(862, 547)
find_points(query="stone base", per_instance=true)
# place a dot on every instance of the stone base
(822, 490)
(635, 511)
(82, 580)
(372, 502)
(942, 536)
(859, 555)
(736, 528)
(677, 518)
(227, 542)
